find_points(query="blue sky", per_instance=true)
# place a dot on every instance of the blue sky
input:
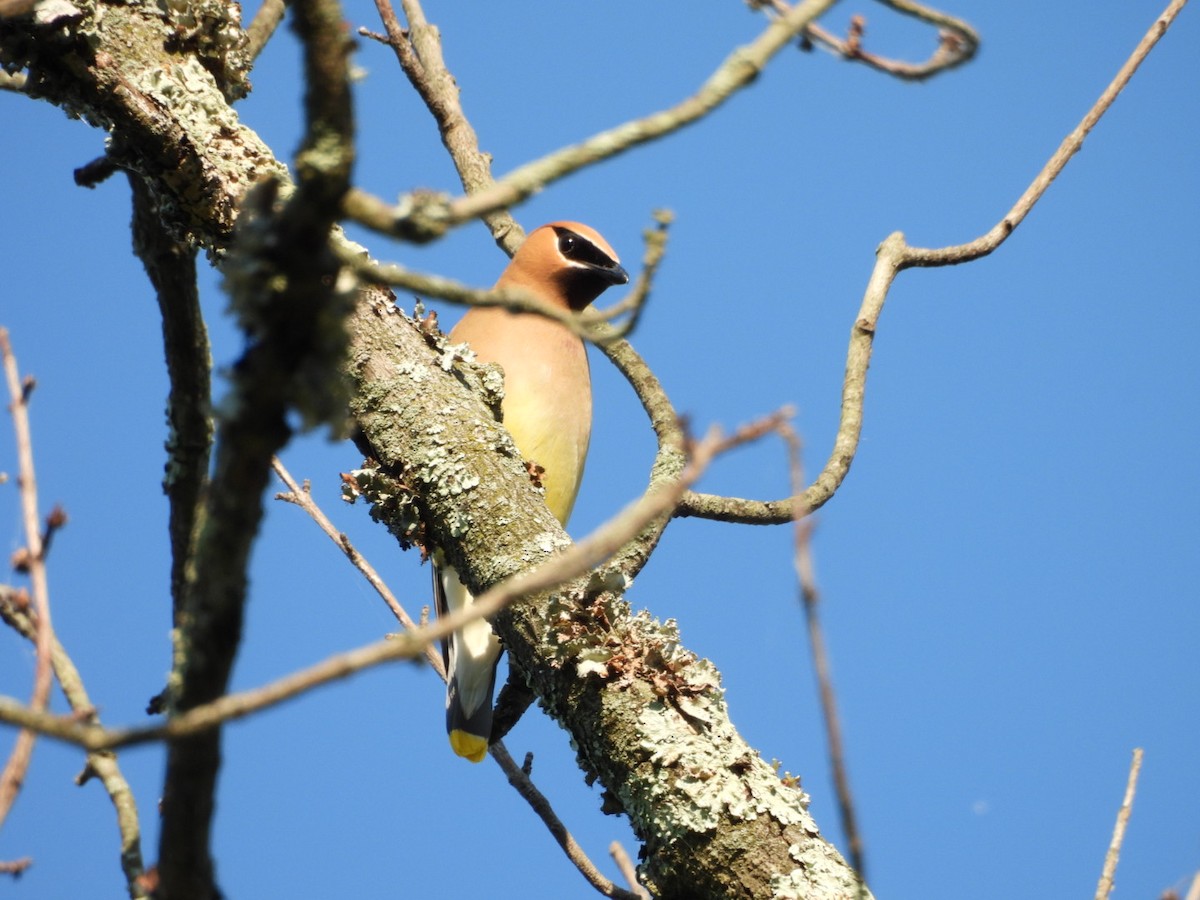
(1009, 572)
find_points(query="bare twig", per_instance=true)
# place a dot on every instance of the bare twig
(13, 775)
(1104, 888)
(266, 20)
(419, 52)
(102, 765)
(810, 600)
(957, 41)
(15, 867)
(96, 171)
(893, 256)
(302, 498)
(424, 216)
(625, 864)
(537, 800)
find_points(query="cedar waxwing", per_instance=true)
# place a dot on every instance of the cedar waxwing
(547, 409)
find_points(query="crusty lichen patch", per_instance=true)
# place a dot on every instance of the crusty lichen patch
(820, 864)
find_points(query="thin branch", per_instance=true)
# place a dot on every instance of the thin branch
(302, 497)
(958, 42)
(424, 216)
(893, 256)
(625, 864)
(96, 171)
(1104, 888)
(985, 244)
(266, 20)
(810, 601)
(171, 268)
(15, 867)
(540, 805)
(419, 52)
(19, 390)
(99, 764)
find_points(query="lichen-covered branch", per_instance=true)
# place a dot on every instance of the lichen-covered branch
(284, 289)
(647, 717)
(171, 267)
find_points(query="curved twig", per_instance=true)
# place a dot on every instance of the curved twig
(524, 786)
(957, 41)
(893, 256)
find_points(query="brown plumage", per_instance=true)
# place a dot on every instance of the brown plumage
(548, 411)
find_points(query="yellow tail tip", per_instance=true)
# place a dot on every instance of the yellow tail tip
(468, 746)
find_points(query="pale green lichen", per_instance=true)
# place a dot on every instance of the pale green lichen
(188, 88)
(716, 772)
(212, 30)
(391, 502)
(819, 864)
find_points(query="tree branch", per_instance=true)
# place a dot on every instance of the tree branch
(957, 41)
(1104, 888)
(893, 256)
(266, 20)
(102, 764)
(283, 286)
(34, 562)
(810, 602)
(423, 216)
(171, 267)
(419, 52)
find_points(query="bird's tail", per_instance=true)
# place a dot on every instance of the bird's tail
(471, 654)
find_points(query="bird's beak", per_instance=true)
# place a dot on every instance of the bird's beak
(616, 275)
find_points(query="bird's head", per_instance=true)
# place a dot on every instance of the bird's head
(567, 263)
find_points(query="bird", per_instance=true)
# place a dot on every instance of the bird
(547, 409)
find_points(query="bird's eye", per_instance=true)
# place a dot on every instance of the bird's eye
(566, 244)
